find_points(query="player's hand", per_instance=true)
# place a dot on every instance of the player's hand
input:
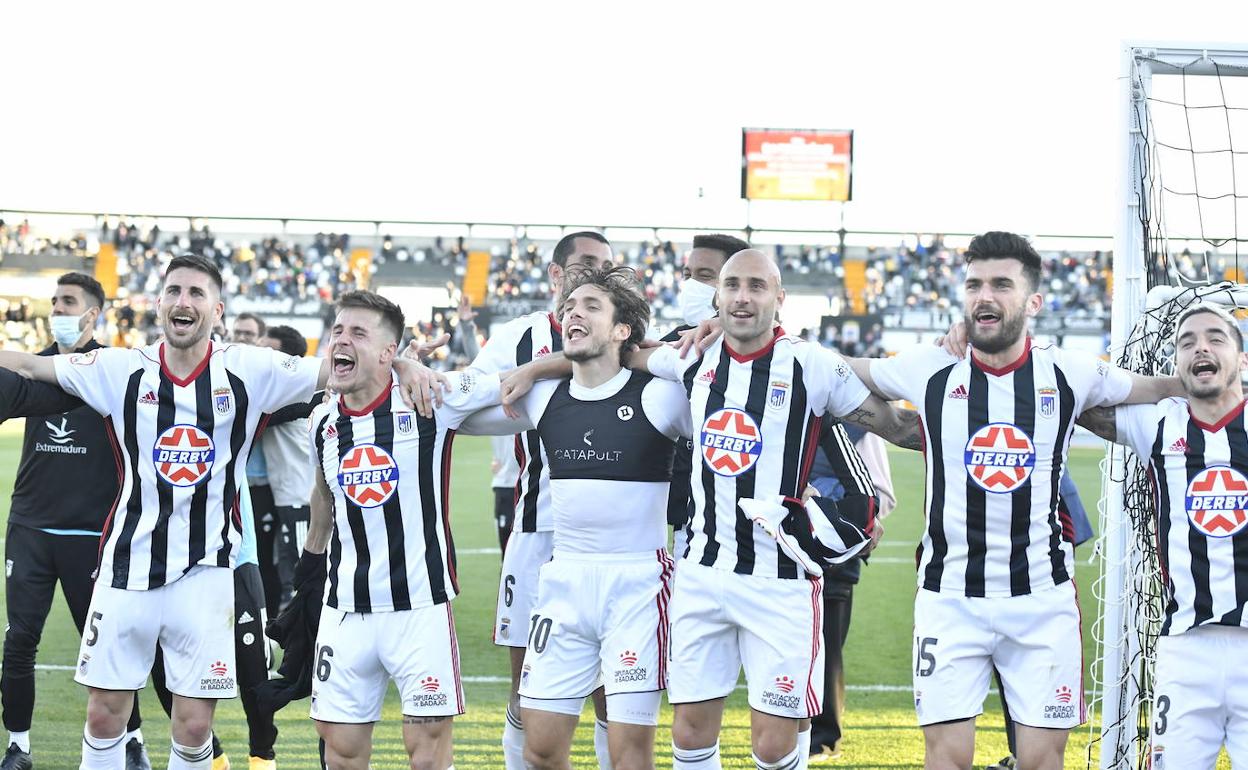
(700, 337)
(495, 467)
(465, 312)
(515, 386)
(954, 341)
(419, 351)
(808, 493)
(877, 534)
(420, 387)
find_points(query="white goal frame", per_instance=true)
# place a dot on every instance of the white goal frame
(1140, 61)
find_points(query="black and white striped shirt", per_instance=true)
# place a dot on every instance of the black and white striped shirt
(389, 472)
(512, 345)
(1199, 474)
(181, 445)
(756, 424)
(995, 445)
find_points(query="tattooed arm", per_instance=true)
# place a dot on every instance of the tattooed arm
(900, 426)
(1101, 420)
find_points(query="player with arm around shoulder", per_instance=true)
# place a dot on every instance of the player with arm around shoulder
(1196, 448)
(997, 428)
(757, 398)
(380, 522)
(601, 613)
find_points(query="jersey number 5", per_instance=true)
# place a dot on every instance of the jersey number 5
(924, 658)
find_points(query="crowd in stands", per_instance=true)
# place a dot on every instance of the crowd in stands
(929, 277)
(922, 274)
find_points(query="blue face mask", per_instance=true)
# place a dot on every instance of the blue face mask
(66, 329)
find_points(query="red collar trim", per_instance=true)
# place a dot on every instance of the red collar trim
(1220, 424)
(182, 383)
(554, 323)
(777, 333)
(1008, 367)
(349, 412)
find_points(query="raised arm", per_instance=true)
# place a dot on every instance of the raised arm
(1101, 420)
(29, 365)
(899, 426)
(22, 397)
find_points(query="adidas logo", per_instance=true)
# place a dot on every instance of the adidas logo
(959, 392)
(1179, 447)
(707, 377)
(545, 351)
(148, 398)
(245, 618)
(330, 432)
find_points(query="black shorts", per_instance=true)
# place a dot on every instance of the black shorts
(251, 647)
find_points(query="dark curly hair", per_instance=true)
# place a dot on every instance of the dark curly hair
(621, 284)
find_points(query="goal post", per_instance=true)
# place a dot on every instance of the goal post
(1149, 289)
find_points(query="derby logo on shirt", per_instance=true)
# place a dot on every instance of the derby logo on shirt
(368, 475)
(1000, 457)
(1217, 501)
(183, 455)
(731, 442)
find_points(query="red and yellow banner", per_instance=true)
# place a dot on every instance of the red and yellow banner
(796, 164)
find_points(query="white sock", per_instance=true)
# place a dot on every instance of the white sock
(102, 753)
(696, 759)
(601, 747)
(790, 761)
(191, 757)
(803, 748)
(513, 742)
(22, 740)
(136, 735)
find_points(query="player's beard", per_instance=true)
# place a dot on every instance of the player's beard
(197, 336)
(1212, 389)
(580, 356)
(1010, 329)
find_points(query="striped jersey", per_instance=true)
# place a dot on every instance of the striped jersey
(512, 345)
(995, 444)
(1199, 474)
(180, 446)
(389, 472)
(756, 423)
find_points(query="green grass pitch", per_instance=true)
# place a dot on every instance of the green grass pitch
(880, 731)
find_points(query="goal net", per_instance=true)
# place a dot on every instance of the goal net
(1182, 238)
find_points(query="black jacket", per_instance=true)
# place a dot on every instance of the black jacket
(68, 476)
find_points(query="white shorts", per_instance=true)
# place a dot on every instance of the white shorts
(1200, 699)
(359, 653)
(1033, 640)
(192, 619)
(602, 619)
(773, 627)
(517, 588)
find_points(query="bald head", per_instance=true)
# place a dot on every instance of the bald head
(752, 263)
(750, 297)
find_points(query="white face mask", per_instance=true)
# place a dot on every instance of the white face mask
(697, 301)
(66, 329)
